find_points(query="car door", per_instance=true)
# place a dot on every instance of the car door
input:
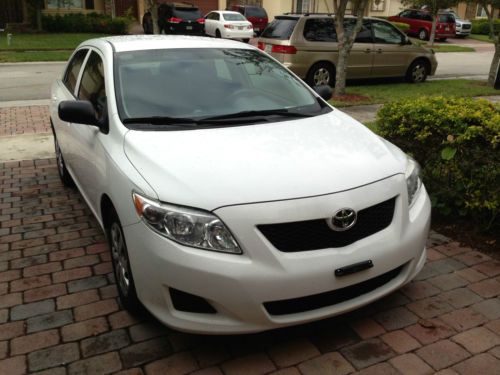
(360, 60)
(89, 154)
(209, 23)
(65, 89)
(392, 54)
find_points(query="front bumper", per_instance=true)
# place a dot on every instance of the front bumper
(237, 286)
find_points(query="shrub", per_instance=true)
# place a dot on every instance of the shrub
(89, 23)
(481, 26)
(401, 26)
(456, 140)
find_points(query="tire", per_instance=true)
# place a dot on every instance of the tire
(423, 35)
(217, 34)
(442, 39)
(246, 40)
(417, 71)
(121, 265)
(64, 175)
(321, 73)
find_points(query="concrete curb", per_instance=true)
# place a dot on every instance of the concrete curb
(24, 103)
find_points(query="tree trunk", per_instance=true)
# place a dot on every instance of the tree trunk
(38, 12)
(153, 6)
(494, 64)
(433, 30)
(340, 76)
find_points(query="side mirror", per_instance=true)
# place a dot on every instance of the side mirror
(324, 91)
(78, 111)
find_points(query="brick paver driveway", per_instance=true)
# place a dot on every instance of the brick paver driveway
(59, 313)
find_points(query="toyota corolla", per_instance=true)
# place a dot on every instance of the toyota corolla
(233, 196)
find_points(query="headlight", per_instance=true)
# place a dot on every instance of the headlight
(187, 226)
(413, 180)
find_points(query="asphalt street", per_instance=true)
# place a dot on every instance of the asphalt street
(31, 81)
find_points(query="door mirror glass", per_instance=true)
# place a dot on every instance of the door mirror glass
(324, 91)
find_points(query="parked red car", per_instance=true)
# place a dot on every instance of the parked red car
(254, 14)
(420, 22)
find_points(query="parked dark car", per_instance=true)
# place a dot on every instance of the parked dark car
(147, 23)
(180, 18)
(420, 22)
(255, 14)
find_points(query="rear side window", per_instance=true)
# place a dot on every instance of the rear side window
(364, 35)
(446, 18)
(280, 28)
(92, 87)
(320, 30)
(74, 66)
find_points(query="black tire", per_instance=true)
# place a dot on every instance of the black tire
(442, 39)
(321, 73)
(417, 71)
(423, 35)
(246, 40)
(217, 34)
(121, 265)
(64, 175)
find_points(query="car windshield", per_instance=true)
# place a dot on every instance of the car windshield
(187, 13)
(280, 28)
(233, 17)
(203, 83)
(256, 12)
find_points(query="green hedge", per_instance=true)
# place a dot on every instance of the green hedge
(401, 26)
(456, 140)
(81, 23)
(481, 26)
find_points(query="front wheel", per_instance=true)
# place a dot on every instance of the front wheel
(417, 72)
(246, 40)
(321, 74)
(217, 34)
(121, 266)
(64, 175)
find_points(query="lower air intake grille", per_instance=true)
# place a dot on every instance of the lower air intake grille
(316, 234)
(317, 301)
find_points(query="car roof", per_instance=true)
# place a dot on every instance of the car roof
(323, 15)
(228, 12)
(148, 42)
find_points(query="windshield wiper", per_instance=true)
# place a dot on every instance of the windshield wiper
(161, 120)
(266, 112)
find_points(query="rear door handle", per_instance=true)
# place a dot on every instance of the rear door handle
(368, 50)
(379, 50)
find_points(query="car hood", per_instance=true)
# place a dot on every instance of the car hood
(211, 168)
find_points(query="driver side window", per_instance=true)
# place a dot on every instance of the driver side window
(386, 33)
(92, 87)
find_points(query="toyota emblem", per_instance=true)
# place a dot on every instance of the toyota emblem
(344, 219)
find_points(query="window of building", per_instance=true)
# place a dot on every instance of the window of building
(303, 6)
(378, 5)
(69, 4)
(481, 12)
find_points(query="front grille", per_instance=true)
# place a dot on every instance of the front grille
(466, 27)
(317, 301)
(316, 234)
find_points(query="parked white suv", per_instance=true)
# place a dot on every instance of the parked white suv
(235, 198)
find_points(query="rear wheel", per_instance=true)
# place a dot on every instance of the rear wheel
(422, 34)
(417, 72)
(321, 74)
(121, 265)
(246, 40)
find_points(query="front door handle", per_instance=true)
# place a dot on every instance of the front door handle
(368, 50)
(379, 50)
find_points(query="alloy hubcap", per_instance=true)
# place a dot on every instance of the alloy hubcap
(422, 35)
(120, 259)
(418, 73)
(321, 77)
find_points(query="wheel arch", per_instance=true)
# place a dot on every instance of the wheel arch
(425, 60)
(107, 211)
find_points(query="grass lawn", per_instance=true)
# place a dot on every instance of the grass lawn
(38, 42)
(442, 47)
(483, 38)
(41, 47)
(379, 92)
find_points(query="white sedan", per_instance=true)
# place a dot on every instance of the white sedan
(233, 196)
(228, 25)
